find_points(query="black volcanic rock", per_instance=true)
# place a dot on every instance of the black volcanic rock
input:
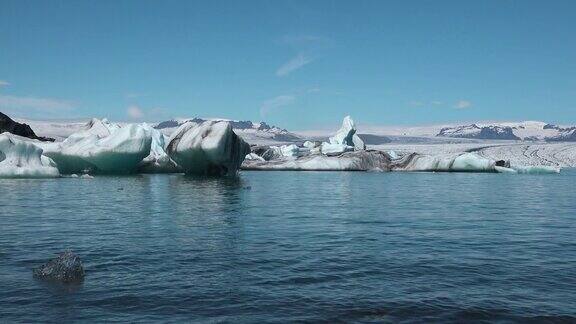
(66, 268)
(24, 130)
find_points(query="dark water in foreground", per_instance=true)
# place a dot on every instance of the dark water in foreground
(308, 246)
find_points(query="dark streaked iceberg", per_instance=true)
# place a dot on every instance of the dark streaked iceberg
(209, 148)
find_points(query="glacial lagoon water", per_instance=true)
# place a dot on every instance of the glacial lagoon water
(294, 246)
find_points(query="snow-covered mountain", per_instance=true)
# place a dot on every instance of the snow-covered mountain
(525, 131)
(254, 133)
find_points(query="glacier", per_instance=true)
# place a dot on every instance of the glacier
(209, 148)
(21, 158)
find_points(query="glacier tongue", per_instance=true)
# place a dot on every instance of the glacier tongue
(210, 148)
(21, 158)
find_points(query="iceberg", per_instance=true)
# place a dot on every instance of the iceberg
(347, 161)
(210, 148)
(464, 162)
(21, 158)
(103, 148)
(347, 136)
(335, 148)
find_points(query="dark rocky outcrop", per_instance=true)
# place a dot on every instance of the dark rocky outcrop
(24, 130)
(66, 268)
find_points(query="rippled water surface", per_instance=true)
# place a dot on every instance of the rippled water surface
(294, 246)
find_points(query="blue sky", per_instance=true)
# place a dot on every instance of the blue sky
(296, 64)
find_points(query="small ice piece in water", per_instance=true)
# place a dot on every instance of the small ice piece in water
(21, 158)
(210, 148)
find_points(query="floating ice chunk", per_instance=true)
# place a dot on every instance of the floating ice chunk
(291, 151)
(254, 156)
(466, 162)
(21, 158)
(347, 161)
(207, 148)
(119, 152)
(311, 145)
(335, 149)
(346, 135)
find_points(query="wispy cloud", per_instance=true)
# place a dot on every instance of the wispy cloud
(415, 103)
(4, 83)
(276, 103)
(307, 49)
(294, 64)
(49, 105)
(463, 104)
(134, 112)
(285, 100)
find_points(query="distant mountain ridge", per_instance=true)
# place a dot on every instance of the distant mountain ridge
(236, 124)
(525, 131)
(252, 132)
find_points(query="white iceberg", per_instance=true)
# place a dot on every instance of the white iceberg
(207, 148)
(347, 136)
(102, 149)
(335, 148)
(20, 158)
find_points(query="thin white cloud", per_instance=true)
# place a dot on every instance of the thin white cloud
(34, 103)
(463, 104)
(4, 83)
(294, 64)
(415, 103)
(134, 112)
(276, 103)
(285, 100)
